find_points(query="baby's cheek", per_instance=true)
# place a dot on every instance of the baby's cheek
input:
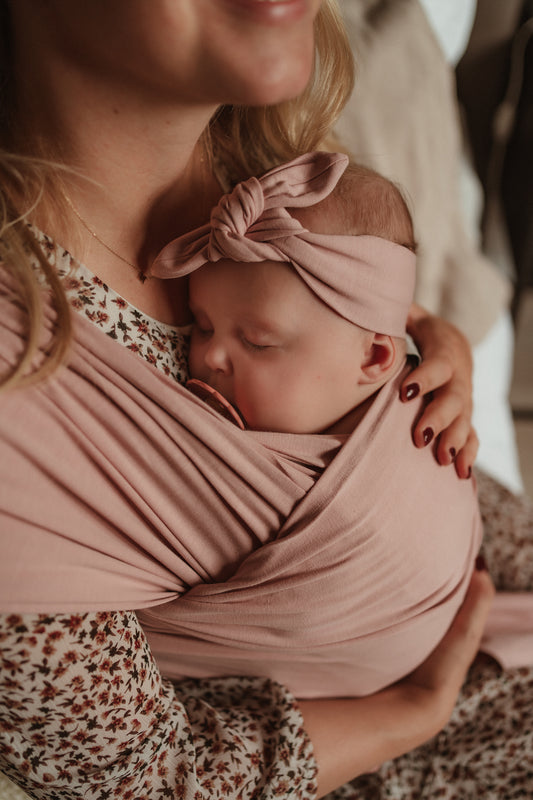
(253, 401)
(267, 409)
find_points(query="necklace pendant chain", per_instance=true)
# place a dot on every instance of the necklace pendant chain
(140, 274)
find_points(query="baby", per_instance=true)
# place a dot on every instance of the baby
(267, 343)
(350, 549)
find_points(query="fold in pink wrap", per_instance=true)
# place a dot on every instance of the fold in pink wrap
(368, 280)
(121, 490)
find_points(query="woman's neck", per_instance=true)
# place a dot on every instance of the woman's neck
(145, 180)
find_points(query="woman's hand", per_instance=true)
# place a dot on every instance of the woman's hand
(446, 374)
(353, 736)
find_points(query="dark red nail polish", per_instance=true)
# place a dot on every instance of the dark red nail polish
(453, 453)
(481, 564)
(412, 391)
(428, 435)
(469, 475)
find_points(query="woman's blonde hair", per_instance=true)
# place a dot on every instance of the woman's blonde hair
(239, 142)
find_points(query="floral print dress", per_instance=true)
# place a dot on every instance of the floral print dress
(85, 712)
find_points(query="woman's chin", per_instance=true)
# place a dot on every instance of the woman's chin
(269, 80)
(260, 64)
(271, 93)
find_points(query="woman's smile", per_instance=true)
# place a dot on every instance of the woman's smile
(271, 11)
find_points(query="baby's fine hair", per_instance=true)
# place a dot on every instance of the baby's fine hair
(363, 202)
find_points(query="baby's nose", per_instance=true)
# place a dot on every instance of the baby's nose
(217, 358)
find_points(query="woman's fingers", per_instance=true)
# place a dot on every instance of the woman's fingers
(443, 421)
(429, 375)
(456, 439)
(451, 392)
(444, 409)
(467, 455)
(444, 378)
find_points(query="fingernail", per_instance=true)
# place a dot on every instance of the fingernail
(453, 453)
(481, 564)
(412, 391)
(428, 435)
(469, 473)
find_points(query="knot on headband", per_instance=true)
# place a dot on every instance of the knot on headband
(366, 279)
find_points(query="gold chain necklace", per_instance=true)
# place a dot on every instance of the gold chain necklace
(142, 277)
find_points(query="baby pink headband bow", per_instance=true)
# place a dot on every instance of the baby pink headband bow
(366, 279)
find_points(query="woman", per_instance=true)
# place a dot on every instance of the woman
(121, 93)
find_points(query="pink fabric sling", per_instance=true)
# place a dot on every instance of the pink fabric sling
(332, 569)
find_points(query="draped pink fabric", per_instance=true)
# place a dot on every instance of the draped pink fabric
(242, 552)
(366, 279)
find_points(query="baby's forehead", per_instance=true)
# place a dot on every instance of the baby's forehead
(271, 286)
(241, 285)
(226, 271)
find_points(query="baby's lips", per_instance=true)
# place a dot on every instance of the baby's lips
(215, 400)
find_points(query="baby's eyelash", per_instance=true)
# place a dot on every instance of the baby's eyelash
(252, 346)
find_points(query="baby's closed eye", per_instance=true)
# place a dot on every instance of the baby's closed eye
(255, 346)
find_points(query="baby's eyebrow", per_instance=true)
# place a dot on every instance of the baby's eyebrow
(262, 326)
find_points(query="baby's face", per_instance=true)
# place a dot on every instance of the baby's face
(264, 341)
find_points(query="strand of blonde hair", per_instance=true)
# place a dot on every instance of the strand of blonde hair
(19, 253)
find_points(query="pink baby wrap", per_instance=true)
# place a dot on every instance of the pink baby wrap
(121, 490)
(332, 569)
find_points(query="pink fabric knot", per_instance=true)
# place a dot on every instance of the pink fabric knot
(231, 219)
(241, 228)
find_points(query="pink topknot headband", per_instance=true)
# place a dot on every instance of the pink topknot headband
(366, 279)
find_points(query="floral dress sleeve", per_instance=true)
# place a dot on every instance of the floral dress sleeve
(84, 712)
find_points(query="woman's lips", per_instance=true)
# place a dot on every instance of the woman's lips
(270, 11)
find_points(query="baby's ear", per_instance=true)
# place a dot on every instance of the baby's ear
(379, 358)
